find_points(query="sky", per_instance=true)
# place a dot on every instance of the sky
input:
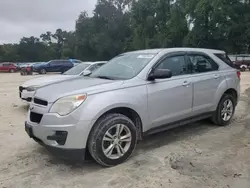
(27, 18)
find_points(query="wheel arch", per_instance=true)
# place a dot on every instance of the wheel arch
(232, 92)
(128, 112)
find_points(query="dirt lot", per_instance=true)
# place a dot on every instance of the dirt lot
(194, 156)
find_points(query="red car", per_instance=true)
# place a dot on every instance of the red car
(8, 67)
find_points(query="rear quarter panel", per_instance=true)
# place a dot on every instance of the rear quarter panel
(232, 82)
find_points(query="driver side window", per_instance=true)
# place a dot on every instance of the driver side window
(176, 64)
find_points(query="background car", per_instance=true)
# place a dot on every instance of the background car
(53, 66)
(75, 61)
(27, 89)
(241, 62)
(8, 67)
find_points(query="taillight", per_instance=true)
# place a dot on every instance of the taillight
(238, 74)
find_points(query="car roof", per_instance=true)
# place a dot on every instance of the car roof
(169, 50)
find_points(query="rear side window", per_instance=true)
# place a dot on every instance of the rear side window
(201, 64)
(226, 59)
(54, 62)
(66, 63)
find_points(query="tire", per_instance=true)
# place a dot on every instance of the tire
(63, 71)
(97, 145)
(217, 116)
(242, 69)
(43, 71)
(11, 70)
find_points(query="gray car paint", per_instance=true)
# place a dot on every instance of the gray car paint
(156, 102)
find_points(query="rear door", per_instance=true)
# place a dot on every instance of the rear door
(67, 65)
(206, 79)
(54, 66)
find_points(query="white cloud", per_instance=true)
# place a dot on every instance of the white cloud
(20, 18)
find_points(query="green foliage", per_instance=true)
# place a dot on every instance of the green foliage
(122, 25)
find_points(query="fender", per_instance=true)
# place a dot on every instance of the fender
(222, 88)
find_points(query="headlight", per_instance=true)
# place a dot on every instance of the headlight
(32, 88)
(66, 105)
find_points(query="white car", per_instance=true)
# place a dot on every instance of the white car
(27, 89)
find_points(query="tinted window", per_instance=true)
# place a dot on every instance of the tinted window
(60, 62)
(176, 64)
(66, 62)
(226, 59)
(54, 63)
(200, 63)
(6, 65)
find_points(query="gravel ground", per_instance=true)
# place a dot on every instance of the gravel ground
(194, 156)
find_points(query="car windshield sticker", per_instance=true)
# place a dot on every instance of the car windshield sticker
(145, 56)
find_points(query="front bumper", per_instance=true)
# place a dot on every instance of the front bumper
(53, 142)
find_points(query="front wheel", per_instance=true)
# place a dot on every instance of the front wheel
(12, 71)
(225, 110)
(112, 140)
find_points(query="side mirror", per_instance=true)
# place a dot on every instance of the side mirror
(86, 73)
(160, 74)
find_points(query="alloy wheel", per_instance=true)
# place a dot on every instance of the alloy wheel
(227, 110)
(116, 141)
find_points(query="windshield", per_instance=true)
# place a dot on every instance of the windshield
(123, 67)
(77, 69)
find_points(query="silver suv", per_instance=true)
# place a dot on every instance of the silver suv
(133, 95)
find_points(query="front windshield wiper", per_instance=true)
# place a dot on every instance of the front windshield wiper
(104, 77)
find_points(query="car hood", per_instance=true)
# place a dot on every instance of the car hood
(44, 80)
(80, 85)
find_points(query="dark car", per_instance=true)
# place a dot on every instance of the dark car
(241, 62)
(8, 67)
(53, 66)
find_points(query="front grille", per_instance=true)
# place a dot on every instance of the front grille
(41, 102)
(35, 117)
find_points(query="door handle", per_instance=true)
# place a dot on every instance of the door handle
(186, 83)
(216, 76)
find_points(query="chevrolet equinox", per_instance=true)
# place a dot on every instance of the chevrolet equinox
(135, 94)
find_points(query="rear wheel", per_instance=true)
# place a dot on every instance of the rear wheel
(43, 71)
(63, 71)
(112, 140)
(243, 69)
(225, 110)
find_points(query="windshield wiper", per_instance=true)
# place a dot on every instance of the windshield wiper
(105, 77)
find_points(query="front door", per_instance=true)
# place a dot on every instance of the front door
(170, 100)
(206, 79)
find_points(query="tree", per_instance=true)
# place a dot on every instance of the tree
(123, 25)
